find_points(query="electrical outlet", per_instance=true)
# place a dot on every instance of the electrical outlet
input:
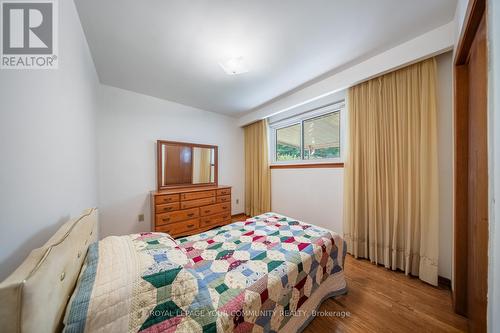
(237, 201)
(141, 217)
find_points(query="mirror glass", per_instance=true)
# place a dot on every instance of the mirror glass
(187, 164)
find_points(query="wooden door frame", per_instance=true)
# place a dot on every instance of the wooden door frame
(475, 11)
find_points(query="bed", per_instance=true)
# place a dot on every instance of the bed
(265, 274)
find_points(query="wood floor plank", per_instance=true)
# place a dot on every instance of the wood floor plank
(381, 300)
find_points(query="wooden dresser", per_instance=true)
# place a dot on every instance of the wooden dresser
(188, 211)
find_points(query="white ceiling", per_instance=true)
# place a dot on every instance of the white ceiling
(171, 48)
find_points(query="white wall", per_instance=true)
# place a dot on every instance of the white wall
(310, 195)
(445, 157)
(494, 166)
(316, 195)
(128, 126)
(459, 19)
(47, 145)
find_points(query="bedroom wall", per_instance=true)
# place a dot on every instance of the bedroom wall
(128, 126)
(494, 166)
(445, 159)
(316, 195)
(310, 195)
(459, 19)
(47, 144)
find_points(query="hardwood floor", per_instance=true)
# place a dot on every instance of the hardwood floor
(239, 217)
(380, 300)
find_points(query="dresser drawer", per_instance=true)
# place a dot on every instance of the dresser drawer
(224, 198)
(215, 219)
(197, 203)
(167, 198)
(197, 195)
(224, 191)
(167, 207)
(177, 216)
(179, 227)
(214, 209)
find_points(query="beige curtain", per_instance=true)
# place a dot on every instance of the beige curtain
(391, 185)
(257, 173)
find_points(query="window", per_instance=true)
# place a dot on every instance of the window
(312, 136)
(288, 143)
(322, 137)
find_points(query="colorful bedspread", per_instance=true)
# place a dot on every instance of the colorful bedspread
(249, 276)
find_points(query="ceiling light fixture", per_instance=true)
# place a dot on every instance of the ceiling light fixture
(234, 66)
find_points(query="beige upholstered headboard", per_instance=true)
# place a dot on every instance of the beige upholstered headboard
(34, 297)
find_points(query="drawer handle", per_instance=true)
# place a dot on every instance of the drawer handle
(166, 219)
(207, 211)
(224, 207)
(190, 214)
(190, 226)
(225, 217)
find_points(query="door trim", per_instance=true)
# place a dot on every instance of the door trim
(475, 12)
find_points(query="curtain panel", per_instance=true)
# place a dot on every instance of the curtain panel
(257, 172)
(391, 185)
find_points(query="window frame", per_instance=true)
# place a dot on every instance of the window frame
(299, 120)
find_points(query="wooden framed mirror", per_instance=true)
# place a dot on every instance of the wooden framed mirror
(183, 164)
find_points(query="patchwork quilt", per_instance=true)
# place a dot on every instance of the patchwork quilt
(248, 276)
